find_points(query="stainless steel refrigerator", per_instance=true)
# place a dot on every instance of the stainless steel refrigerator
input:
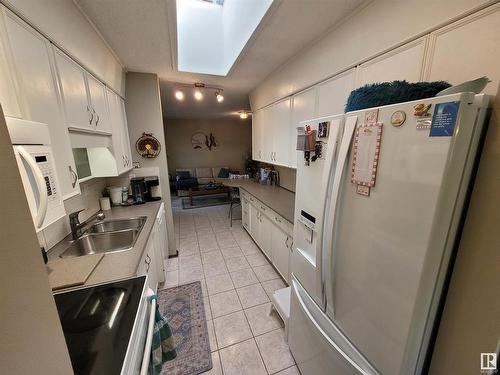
(375, 234)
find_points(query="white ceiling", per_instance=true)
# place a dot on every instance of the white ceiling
(143, 36)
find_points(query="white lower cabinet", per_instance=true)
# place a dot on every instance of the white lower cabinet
(272, 233)
(281, 245)
(148, 265)
(245, 213)
(152, 261)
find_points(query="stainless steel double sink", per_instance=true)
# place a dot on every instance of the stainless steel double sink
(106, 236)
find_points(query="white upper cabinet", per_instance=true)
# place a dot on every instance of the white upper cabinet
(403, 63)
(74, 92)
(257, 135)
(120, 137)
(467, 49)
(280, 125)
(98, 105)
(333, 94)
(8, 92)
(267, 136)
(304, 107)
(34, 71)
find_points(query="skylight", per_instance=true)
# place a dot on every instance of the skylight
(212, 33)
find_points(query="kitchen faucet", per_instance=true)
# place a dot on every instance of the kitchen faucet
(77, 228)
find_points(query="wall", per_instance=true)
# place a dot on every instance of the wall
(144, 114)
(234, 139)
(62, 22)
(470, 323)
(32, 340)
(287, 177)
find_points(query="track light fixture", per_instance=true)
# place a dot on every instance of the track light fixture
(198, 91)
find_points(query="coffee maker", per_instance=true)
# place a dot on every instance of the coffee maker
(138, 188)
(151, 183)
(142, 189)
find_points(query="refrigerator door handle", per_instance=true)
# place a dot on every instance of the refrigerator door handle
(326, 193)
(40, 185)
(330, 208)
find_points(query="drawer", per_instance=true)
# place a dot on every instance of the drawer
(282, 223)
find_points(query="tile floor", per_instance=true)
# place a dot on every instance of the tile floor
(246, 335)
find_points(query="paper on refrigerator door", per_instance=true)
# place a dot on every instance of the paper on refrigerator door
(366, 153)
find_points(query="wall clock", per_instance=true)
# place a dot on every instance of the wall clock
(148, 146)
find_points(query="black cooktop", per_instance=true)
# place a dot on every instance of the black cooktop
(97, 323)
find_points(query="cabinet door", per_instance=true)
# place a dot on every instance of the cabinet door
(159, 266)
(404, 63)
(303, 108)
(467, 49)
(265, 235)
(245, 217)
(8, 92)
(127, 152)
(333, 94)
(281, 251)
(73, 92)
(151, 262)
(115, 111)
(98, 104)
(280, 126)
(254, 224)
(35, 73)
(257, 135)
(267, 135)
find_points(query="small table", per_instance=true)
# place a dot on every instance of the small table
(196, 192)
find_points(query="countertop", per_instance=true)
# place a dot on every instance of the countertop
(277, 198)
(123, 264)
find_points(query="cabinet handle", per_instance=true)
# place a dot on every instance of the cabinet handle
(97, 120)
(262, 208)
(278, 220)
(75, 176)
(91, 115)
(286, 242)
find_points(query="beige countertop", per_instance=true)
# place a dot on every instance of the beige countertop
(277, 198)
(120, 264)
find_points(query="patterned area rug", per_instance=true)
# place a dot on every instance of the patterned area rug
(185, 313)
(205, 201)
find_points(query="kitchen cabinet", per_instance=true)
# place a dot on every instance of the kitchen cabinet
(8, 92)
(281, 251)
(83, 96)
(120, 138)
(34, 71)
(467, 49)
(73, 88)
(271, 232)
(403, 63)
(271, 135)
(98, 104)
(245, 213)
(160, 238)
(304, 107)
(333, 94)
(148, 264)
(279, 126)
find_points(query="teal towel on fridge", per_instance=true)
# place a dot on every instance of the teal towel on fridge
(163, 345)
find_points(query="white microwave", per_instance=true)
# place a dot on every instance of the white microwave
(31, 142)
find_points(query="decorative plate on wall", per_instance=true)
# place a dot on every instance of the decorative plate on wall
(148, 146)
(201, 141)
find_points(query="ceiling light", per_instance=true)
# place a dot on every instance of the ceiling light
(219, 96)
(243, 115)
(179, 95)
(197, 94)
